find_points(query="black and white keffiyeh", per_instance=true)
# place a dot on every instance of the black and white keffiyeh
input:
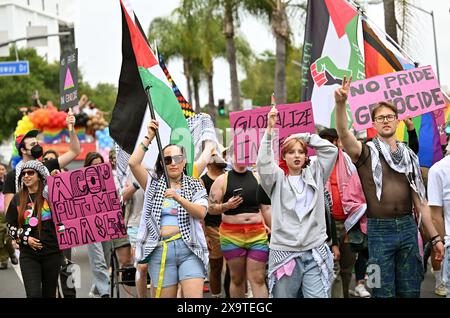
(192, 233)
(403, 160)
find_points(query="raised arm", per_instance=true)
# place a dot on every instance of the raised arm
(135, 162)
(266, 166)
(75, 148)
(351, 145)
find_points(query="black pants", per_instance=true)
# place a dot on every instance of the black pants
(40, 274)
(64, 275)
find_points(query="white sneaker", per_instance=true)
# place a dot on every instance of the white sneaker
(440, 290)
(361, 291)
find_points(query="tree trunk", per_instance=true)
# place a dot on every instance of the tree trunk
(188, 80)
(280, 28)
(196, 81)
(211, 107)
(231, 56)
(390, 22)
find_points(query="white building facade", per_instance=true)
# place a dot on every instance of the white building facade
(56, 15)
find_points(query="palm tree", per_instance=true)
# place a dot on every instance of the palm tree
(231, 9)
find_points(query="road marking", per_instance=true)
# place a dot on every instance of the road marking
(17, 268)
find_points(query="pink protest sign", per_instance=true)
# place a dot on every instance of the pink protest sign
(85, 206)
(248, 128)
(413, 92)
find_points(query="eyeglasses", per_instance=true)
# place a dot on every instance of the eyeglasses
(381, 119)
(29, 173)
(177, 159)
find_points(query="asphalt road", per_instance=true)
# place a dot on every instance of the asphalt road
(11, 285)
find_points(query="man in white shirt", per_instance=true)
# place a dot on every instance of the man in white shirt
(439, 202)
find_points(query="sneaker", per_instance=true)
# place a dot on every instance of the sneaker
(4, 265)
(440, 290)
(14, 260)
(361, 291)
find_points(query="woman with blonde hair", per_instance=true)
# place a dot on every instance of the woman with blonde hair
(300, 261)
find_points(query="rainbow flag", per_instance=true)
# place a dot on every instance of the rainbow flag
(382, 57)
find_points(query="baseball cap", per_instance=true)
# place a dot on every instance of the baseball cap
(329, 132)
(20, 138)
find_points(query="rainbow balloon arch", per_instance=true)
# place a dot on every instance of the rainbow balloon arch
(93, 133)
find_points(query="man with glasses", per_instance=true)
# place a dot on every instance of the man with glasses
(391, 181)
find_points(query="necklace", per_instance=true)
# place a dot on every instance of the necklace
(33, 221)
(295, 188)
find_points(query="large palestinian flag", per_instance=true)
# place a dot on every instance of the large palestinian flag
(140, 70)
(330, 52)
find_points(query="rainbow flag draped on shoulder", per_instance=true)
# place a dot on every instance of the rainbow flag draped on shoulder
(141, 70)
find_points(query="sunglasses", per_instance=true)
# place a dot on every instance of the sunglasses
(177, 159)
(29, 173)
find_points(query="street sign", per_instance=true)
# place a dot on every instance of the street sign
(14, 68)
(37, 31)
(4, 50)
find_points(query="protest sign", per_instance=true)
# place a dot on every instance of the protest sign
(68, 80)
(85, 206)
(248, 128)
(413, 92)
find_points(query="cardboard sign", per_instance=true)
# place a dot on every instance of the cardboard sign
(413, 92)
(68, 80)
(248, 127)
(85, 206)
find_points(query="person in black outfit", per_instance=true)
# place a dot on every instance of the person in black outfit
(30, 224)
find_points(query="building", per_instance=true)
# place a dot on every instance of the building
(57, 15)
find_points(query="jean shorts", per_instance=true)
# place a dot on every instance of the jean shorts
(181, 264)
(132, 232)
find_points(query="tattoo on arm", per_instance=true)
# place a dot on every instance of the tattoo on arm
(214, 202)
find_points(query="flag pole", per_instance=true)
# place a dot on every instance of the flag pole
(365, 16)
(158, 139)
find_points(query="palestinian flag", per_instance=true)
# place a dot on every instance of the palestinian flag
(330, 52)
(140, 70)
(381, 57)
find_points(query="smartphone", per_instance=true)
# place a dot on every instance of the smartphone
(237, 192)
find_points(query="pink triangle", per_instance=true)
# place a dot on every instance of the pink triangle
(68, 83)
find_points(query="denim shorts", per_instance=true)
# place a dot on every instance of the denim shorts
(181, 264)
(132, 232)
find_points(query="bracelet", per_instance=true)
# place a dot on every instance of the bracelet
(434, 237)
(144, 147)
(434, 242)
(136, 186)
(147, 137)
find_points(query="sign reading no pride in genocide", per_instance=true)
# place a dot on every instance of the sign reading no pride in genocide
(413, 92)
(68, 80)
(248, 128)
(85, 206)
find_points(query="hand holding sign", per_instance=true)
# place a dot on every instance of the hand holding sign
(340, 94)
(70, 120)
(272, 118)
(409, 123)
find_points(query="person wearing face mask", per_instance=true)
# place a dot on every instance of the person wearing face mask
(29, 149)
(300, 261)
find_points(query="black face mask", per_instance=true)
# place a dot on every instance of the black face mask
(36, 151)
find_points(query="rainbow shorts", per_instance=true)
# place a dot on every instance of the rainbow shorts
(244, 240)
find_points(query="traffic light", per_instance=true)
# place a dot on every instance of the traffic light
(221, 109)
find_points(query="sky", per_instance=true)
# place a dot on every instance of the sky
(98, 39)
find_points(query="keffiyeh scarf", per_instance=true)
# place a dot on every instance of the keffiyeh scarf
(403, 160)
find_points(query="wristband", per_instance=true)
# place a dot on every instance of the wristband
(434, 237)
(147, 137)
(144, 147)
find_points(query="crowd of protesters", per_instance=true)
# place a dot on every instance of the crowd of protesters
(290, 227)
